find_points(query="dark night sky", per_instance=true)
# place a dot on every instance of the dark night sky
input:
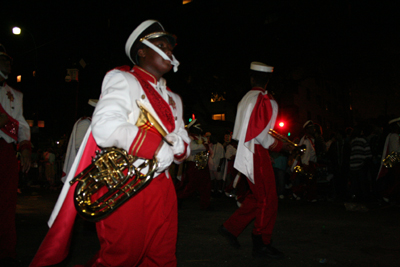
(346, 40)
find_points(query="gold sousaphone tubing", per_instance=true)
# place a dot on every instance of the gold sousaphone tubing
(112, 178)
(300, 149)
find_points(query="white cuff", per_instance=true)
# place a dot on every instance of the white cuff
(178, 145)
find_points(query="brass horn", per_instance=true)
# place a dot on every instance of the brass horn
(299, 149)
(113, 177)
(201, 159)
(391, 160)
(300, 169)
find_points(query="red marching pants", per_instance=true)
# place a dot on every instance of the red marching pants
(261, 203)
(143, 231)
(8, 199)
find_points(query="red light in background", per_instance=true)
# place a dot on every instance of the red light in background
(281, 124)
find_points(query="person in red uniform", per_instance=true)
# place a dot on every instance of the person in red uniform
(256, 114)
(197, 177)
(143, 231)
(13, 130)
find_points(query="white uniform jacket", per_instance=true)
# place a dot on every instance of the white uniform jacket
(310, 154)
(115, 116)
(216, 156)
(244, 156)
(11, 101)
(198, 144)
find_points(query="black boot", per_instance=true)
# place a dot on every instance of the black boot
(262, 250)
(229, 237)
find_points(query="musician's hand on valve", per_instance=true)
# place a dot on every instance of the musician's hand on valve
(164, 156)
(178, 147)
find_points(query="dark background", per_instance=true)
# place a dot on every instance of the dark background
(345, 40)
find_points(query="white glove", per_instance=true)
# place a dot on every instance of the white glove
(178, 145)
(164, 157)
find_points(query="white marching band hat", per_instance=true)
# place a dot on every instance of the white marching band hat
(258, 66)
(395, 120)
(149, 29)
(308, 124)
(93, 102)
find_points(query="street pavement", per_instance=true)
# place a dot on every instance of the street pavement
(328, 233)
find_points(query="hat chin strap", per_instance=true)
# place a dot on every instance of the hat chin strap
(3, 75)
(174, 61)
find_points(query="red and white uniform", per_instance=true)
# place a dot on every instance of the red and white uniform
(154, 209)
(15, 131)
(11, 101)
(256, 114)
(251, 128)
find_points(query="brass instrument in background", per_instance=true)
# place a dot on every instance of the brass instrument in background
(112, 179)
(391, 160)
(201, 159)
(300, 169)
(297, 149)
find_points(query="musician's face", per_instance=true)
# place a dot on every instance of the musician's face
(5, 65)
(310, 130)
(227, 138)
(151, 61)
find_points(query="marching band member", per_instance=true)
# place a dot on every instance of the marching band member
(303, 185)
(389, 178)
(75, 140)
(13, 130)
(143, 231)
(256, 114)
(197, 176)
(216, 155)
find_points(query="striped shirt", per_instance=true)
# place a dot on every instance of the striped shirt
(360, 152)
